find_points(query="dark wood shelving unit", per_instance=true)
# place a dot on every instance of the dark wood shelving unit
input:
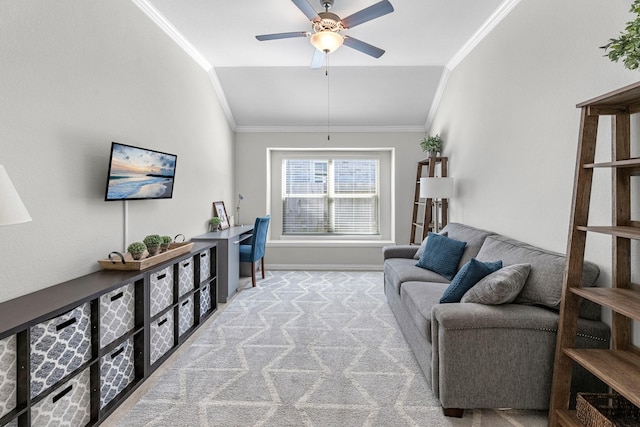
(618, 367)
(422, 219)
(105, 318)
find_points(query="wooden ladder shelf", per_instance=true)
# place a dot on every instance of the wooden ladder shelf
(423, 213)
(618, 367)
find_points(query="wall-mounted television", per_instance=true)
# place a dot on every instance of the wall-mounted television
(138, 173)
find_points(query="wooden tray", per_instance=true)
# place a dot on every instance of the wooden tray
(174, 250)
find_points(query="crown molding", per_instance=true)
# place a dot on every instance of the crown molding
(500, 13)
(496, 17)
(175, 35)
(333, 129)
(437, 97)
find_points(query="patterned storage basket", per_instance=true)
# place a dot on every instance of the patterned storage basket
(161, 290)
(117, 371)
(59, 346)
(117, 314)
(185, 276)
(68, 405)
(161, 336)
(186, 315)
(205, 299)
(205, 266)
(606, 410)
(8, 371)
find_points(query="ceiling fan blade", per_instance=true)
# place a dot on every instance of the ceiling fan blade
(372, 12)
(277, 36)
(363, 47)
(318, 58)
(306, 8)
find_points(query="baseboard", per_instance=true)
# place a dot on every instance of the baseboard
(322, 267)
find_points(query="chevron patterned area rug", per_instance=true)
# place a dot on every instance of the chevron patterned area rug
(303, 349)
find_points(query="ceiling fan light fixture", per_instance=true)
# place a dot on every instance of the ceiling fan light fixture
(326, 41)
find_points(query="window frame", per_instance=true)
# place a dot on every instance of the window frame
(386, 183)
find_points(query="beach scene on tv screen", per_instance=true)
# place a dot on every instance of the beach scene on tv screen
(140, 174)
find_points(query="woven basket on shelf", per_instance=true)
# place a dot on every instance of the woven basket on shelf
(606, 410)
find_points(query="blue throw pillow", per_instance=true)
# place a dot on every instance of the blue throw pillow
(470, 274)
(442, 255)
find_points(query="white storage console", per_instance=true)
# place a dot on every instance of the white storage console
(71, 353)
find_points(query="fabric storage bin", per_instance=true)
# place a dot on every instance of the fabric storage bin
(12, 423)
(205, 266)
(68, 405)
(117, 371)
(59, 346)
(117, 313)
(161, 336)
(8, 372)
(161, 283)
(205, 299)
(185, 320)
(185, 276)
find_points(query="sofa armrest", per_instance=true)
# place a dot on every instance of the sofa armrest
(399, 251)
(482, 354)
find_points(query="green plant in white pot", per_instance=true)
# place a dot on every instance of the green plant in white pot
(431, 145)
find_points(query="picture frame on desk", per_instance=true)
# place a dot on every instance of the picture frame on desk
(220, 211)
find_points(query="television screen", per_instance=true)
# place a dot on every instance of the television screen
(137, 173)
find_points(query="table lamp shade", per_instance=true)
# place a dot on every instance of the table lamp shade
(12, 210)
(436, 188)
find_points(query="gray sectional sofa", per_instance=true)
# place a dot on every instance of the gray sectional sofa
(489, 356)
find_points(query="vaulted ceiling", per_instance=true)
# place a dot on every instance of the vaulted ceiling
(270, 85)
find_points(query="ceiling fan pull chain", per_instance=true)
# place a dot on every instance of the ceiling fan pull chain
(326, 73)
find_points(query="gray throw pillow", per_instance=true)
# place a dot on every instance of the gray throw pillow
(424, 244)
(500, 287)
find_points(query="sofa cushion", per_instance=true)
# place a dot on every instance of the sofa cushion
(500, 287)
(473, 236)
(442, 255)
(544, 284)
(400, 270)
(420, 250)
(468, 276)
(418, 299)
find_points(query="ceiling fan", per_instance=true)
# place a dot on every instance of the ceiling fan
(327, 26)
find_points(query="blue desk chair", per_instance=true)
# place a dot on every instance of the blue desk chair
(255, 251)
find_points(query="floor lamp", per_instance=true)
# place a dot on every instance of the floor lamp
(436, 189)
(12, 210)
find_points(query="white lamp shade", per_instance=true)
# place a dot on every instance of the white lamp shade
(12, 210)
(326, 41)
(436, 188)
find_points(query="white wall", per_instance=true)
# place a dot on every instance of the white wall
(76, 75)
(251, 168)
(509, 118)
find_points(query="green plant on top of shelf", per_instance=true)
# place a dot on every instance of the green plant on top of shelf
(166, 241)
(432, 144)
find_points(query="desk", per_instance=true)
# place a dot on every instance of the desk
(228, 257)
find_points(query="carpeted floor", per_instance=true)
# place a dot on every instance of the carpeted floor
(303, 349)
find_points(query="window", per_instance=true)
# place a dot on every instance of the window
(330, 196)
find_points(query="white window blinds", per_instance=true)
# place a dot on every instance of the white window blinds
(330, 196)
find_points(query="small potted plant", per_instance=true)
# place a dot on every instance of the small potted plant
(136, 249)
(166, 241)
(153, 242)
(214, 223)
(431, 145)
